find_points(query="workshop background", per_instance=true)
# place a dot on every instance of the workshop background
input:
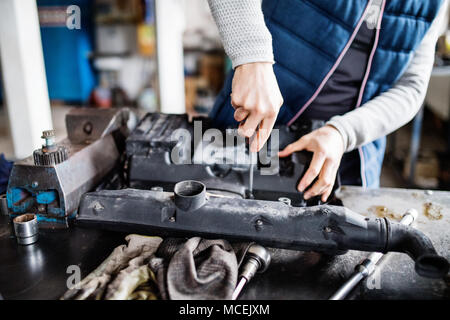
(116, 56)
(64, 60)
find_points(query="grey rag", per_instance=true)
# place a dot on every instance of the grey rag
(179, 268)
(197, 268)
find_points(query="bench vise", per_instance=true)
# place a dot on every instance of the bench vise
(51, 182)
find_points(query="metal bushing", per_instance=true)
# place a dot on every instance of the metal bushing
(26, 228)
(3, 205)
(189, 195)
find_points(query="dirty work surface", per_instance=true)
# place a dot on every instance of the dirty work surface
(298, 275)
(292, 275)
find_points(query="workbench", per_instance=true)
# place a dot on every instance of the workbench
(39, 271)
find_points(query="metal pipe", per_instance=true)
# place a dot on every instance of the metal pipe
(239, 287)
(348, 286)
(368, 266)
(250, 182)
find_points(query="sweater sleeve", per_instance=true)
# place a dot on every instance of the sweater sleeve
(397, 106)
(243, 31)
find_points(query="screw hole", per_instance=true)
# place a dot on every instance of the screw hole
(87, 128)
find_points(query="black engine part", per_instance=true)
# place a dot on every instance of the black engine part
(150, 145)
(192, 211)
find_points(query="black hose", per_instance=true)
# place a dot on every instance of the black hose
(418, 246)
(380, 235)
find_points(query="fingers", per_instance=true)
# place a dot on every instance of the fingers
(265, 128)
(326, 193)
(313, 171)
(329, 180)
(324, 185)
(240, 114)
(296, 146)
(233, 102)
(256, 99)
(247, 128)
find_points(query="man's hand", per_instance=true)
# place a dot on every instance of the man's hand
(256, 99)
(328, 147)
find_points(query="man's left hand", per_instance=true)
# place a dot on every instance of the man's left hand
(327, 146)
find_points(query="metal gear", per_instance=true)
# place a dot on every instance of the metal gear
(43, 158)
(50, 153)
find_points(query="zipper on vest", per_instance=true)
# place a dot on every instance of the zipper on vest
(372, 54)
(363, 87)
(338, 61)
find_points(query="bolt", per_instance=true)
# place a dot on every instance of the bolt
(172, 219)
(49, 136)
(34, 184)
(327, 229)
(87, 128)
(259, 222)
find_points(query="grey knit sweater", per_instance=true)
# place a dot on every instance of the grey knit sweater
(246, 39)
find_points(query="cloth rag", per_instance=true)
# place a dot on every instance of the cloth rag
(197, 269)
(150, 268)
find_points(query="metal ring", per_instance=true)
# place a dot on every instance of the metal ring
(3, 205)
(26, 228)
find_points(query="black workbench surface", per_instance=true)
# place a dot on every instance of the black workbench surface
(39, 271)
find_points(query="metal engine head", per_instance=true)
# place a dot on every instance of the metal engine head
(206, 154)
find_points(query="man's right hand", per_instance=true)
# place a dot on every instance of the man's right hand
(256, 99)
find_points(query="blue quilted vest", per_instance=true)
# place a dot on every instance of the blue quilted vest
(310, 37)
